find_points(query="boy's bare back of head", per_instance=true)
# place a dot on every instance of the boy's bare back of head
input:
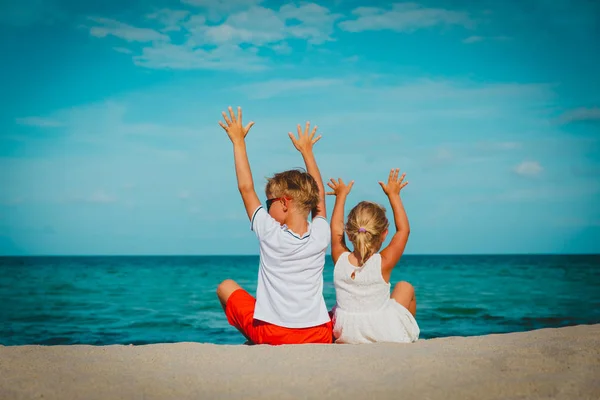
(298, 185)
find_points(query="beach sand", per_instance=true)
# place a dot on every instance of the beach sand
(559, 363)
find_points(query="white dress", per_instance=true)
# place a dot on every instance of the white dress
(364, 311)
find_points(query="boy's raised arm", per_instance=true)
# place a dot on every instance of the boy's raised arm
(304, 144)
(338, 240)
(237, 134)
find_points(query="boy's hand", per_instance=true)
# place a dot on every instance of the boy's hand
(234, 128)
(394, 184)
(305, 141)
(339, 187)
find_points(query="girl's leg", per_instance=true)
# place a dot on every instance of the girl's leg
(404, 293)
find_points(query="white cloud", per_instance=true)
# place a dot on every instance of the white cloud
(308, 21)
(272, 88)
(170, 19)
(184, 57)
(216, 9)
(39, 122)
(473, 39)
(123, 50)
(184, 195)
(403, 17)
(281, 48)
(110, 27)
(222, 4)
(242, 27)
(580, 114)
(476, 39)
(234, 43)
(528, 168)
(315, 22)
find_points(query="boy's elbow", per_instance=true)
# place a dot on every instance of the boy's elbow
(246, 188)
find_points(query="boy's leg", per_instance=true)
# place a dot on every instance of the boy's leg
(225, 289)
(240, 312)
(239, 307)
(404, 293)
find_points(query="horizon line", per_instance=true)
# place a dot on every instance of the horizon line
(257, 255)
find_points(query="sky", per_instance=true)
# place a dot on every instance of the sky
(110, 143)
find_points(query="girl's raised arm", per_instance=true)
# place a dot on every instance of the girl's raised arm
(338, 241)
(392, 253)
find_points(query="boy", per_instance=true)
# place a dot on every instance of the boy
(289, 306)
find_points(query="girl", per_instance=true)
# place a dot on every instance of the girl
(364, 311)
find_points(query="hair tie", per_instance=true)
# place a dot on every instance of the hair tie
(362, 230)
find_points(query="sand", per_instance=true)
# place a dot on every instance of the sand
(559, 363)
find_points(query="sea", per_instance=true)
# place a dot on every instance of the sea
(144, 300)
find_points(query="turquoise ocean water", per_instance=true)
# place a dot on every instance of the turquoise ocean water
(140, 300)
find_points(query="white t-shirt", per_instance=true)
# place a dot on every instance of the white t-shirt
(290, 276)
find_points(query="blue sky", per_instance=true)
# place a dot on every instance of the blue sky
(109, 142)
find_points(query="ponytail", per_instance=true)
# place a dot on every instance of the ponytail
(366, 223)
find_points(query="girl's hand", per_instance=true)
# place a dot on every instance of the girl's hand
(305, 141)
(394, 184)
(234, 128)
(339, 187)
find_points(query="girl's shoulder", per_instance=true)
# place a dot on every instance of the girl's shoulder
(374, 258)
(343, 258)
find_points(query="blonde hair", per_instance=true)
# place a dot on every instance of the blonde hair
(296, 184)
(365, 226)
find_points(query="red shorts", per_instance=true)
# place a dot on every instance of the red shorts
(240, 314)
